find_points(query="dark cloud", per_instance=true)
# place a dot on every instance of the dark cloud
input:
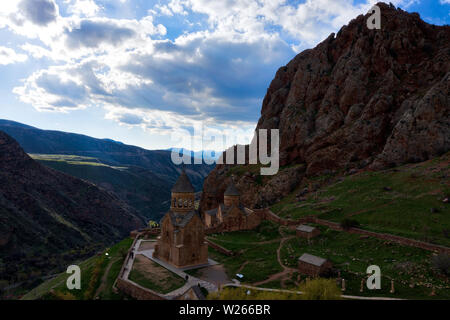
(68, 90)
(235, 74)
(200, 78)
(91, 34)
(129, 118)
(40, 12)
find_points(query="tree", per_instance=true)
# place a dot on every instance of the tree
(153, 224)
(320, 289)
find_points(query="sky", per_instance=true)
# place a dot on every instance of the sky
(149, 73)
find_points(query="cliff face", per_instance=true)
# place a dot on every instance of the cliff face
(362, 99)
(45, 214)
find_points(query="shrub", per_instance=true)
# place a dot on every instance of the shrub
(441, 262)
(320, 289)
(349, 223)
(63, 295)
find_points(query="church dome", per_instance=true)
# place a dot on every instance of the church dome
(183, 184)
(231, 190)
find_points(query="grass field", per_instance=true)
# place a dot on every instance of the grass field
(257, 252)
(351, 254)
(405, 201)
(71, 159)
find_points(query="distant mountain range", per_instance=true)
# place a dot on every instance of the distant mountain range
(49, 219)
(141, 178)
(202, 154)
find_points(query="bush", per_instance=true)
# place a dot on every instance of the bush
(63, 295)
(441, 263)
(320, 289)
(349, 223)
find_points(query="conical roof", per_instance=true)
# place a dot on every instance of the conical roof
(183, 184)
(231, 190)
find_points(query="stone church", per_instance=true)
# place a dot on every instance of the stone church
(231, 215)
(181, 242)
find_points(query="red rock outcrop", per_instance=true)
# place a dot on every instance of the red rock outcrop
(361, 99)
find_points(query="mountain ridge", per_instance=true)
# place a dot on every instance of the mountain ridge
(360, 100)
(49, 219)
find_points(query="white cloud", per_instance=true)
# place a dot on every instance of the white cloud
(87, 8)
(9, 56)
(31, 18)
(217, 75)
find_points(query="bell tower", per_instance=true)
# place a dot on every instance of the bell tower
(182, 240)
(231, 195)
(183, 195)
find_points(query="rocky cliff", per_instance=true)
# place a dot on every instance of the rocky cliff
(361, 100)
(49, 219)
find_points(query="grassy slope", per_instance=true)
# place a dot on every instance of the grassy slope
(349, 253)
(92, 272)
(405, 210)
(257, 249)
(352, 254)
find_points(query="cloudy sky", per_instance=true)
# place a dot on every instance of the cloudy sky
(139, 70)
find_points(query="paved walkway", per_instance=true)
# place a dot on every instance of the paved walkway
(192, 281)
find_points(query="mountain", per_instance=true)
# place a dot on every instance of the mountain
(202, 154)
(37, 141)
(140, 188)
(141, 178)
(360, 100)
(49, 219)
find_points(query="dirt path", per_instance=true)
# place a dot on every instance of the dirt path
(242, 267)
(286, 270)
(104, 278)
(365, 210)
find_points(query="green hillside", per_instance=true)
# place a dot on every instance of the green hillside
(262, 259)
(406, 200)
(139, 188)
(98, 275)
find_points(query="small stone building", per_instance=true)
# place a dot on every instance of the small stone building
(312, 265)
(307, 232)
(182, 240)
(231, 215)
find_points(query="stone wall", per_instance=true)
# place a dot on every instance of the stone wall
(219, 248)
(136, 291)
